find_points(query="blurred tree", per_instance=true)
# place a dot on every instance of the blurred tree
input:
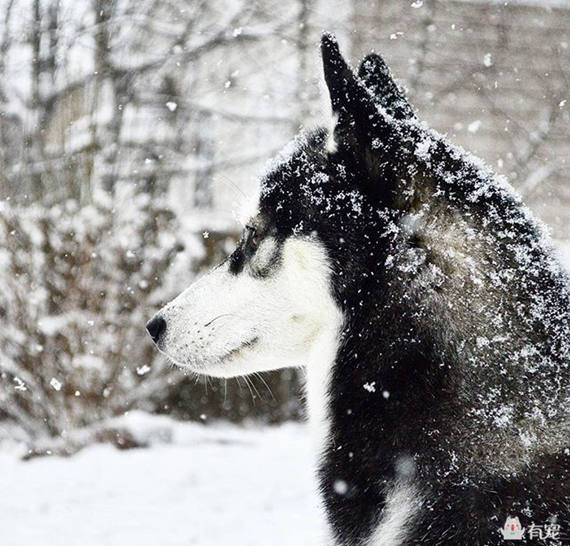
(76, 286)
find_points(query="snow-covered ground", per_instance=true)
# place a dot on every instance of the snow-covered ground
(207, 485)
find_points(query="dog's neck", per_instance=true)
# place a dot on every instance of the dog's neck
(366, 406)
(318, 379)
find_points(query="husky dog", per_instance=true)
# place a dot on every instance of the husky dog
(430, 315)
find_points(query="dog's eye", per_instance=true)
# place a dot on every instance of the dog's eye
(252, 238)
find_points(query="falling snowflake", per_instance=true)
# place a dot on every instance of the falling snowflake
(20, 385)
(370, 387)
(474, 126)
(340, 487)
(142, 370)
(55, 384)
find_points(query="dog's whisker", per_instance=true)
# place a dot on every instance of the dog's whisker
(254, 387)
(218, 317)
(258, 374)
(249, 387)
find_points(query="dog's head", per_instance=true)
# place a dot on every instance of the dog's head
(321, 214)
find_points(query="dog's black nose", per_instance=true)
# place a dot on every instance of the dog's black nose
(156, 327)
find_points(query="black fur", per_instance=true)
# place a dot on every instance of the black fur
(420, 333)
(376, 76)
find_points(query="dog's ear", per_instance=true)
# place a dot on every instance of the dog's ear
(377, 78)
(352, 105)
(362, 131)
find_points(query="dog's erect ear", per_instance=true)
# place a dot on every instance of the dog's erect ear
(358, 118)
(377, 78)
(362, 130)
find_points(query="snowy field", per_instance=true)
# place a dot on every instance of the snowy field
(204, 486)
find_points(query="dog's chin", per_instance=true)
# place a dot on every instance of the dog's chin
(231, 363)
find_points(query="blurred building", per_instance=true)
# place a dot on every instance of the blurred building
(492, 75)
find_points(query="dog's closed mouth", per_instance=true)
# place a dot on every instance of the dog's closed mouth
(240, 348)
